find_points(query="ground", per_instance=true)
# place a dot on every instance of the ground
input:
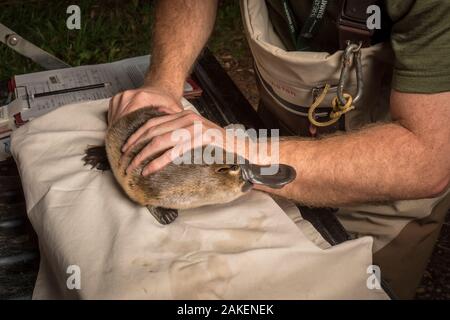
(116, 29)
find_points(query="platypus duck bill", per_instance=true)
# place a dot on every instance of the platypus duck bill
(253, 174)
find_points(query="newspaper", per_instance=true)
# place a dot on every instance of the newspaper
(119, 76)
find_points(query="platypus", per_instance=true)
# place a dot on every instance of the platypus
(176, 186)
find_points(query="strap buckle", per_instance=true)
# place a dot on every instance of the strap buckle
(352, 24)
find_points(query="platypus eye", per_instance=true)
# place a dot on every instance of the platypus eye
(232, 168)
(223, 169)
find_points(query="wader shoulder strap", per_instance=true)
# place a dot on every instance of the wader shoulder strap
(302, 38)
(352, 22)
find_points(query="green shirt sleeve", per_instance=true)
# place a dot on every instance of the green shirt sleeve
(421, 42)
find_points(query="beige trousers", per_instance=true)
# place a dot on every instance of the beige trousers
(404, 232)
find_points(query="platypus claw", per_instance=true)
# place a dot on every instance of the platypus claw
(163, 215)
(96, 157)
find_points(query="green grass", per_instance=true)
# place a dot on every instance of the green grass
(228, 35)
(111, 30)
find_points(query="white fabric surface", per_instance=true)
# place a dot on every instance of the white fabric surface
(248, 249)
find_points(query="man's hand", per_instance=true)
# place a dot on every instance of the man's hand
(174, 135)
(130, 100)
(191, 131)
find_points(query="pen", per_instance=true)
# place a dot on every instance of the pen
(75, 89)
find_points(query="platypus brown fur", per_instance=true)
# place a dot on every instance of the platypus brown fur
(176, 186)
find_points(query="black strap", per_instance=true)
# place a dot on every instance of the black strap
(352, 22)
(310, 28)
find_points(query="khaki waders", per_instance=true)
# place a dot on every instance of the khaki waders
(404, 232)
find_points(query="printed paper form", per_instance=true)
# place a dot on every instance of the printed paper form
(122, 75)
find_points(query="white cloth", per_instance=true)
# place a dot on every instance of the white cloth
(248, 249)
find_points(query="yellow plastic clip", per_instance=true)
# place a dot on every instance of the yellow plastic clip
(337, 111)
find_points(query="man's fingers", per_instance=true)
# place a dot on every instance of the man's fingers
(177, 145)
(169, 142)
(158, 163)
(177, 121)
(155, 146)
(179, 150)
(154, 127)
(168, 110)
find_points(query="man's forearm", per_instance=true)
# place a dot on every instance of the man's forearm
(181, 30)
(379, 163)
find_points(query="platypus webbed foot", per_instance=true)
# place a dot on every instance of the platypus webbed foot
(163, 215)
(96, 157)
